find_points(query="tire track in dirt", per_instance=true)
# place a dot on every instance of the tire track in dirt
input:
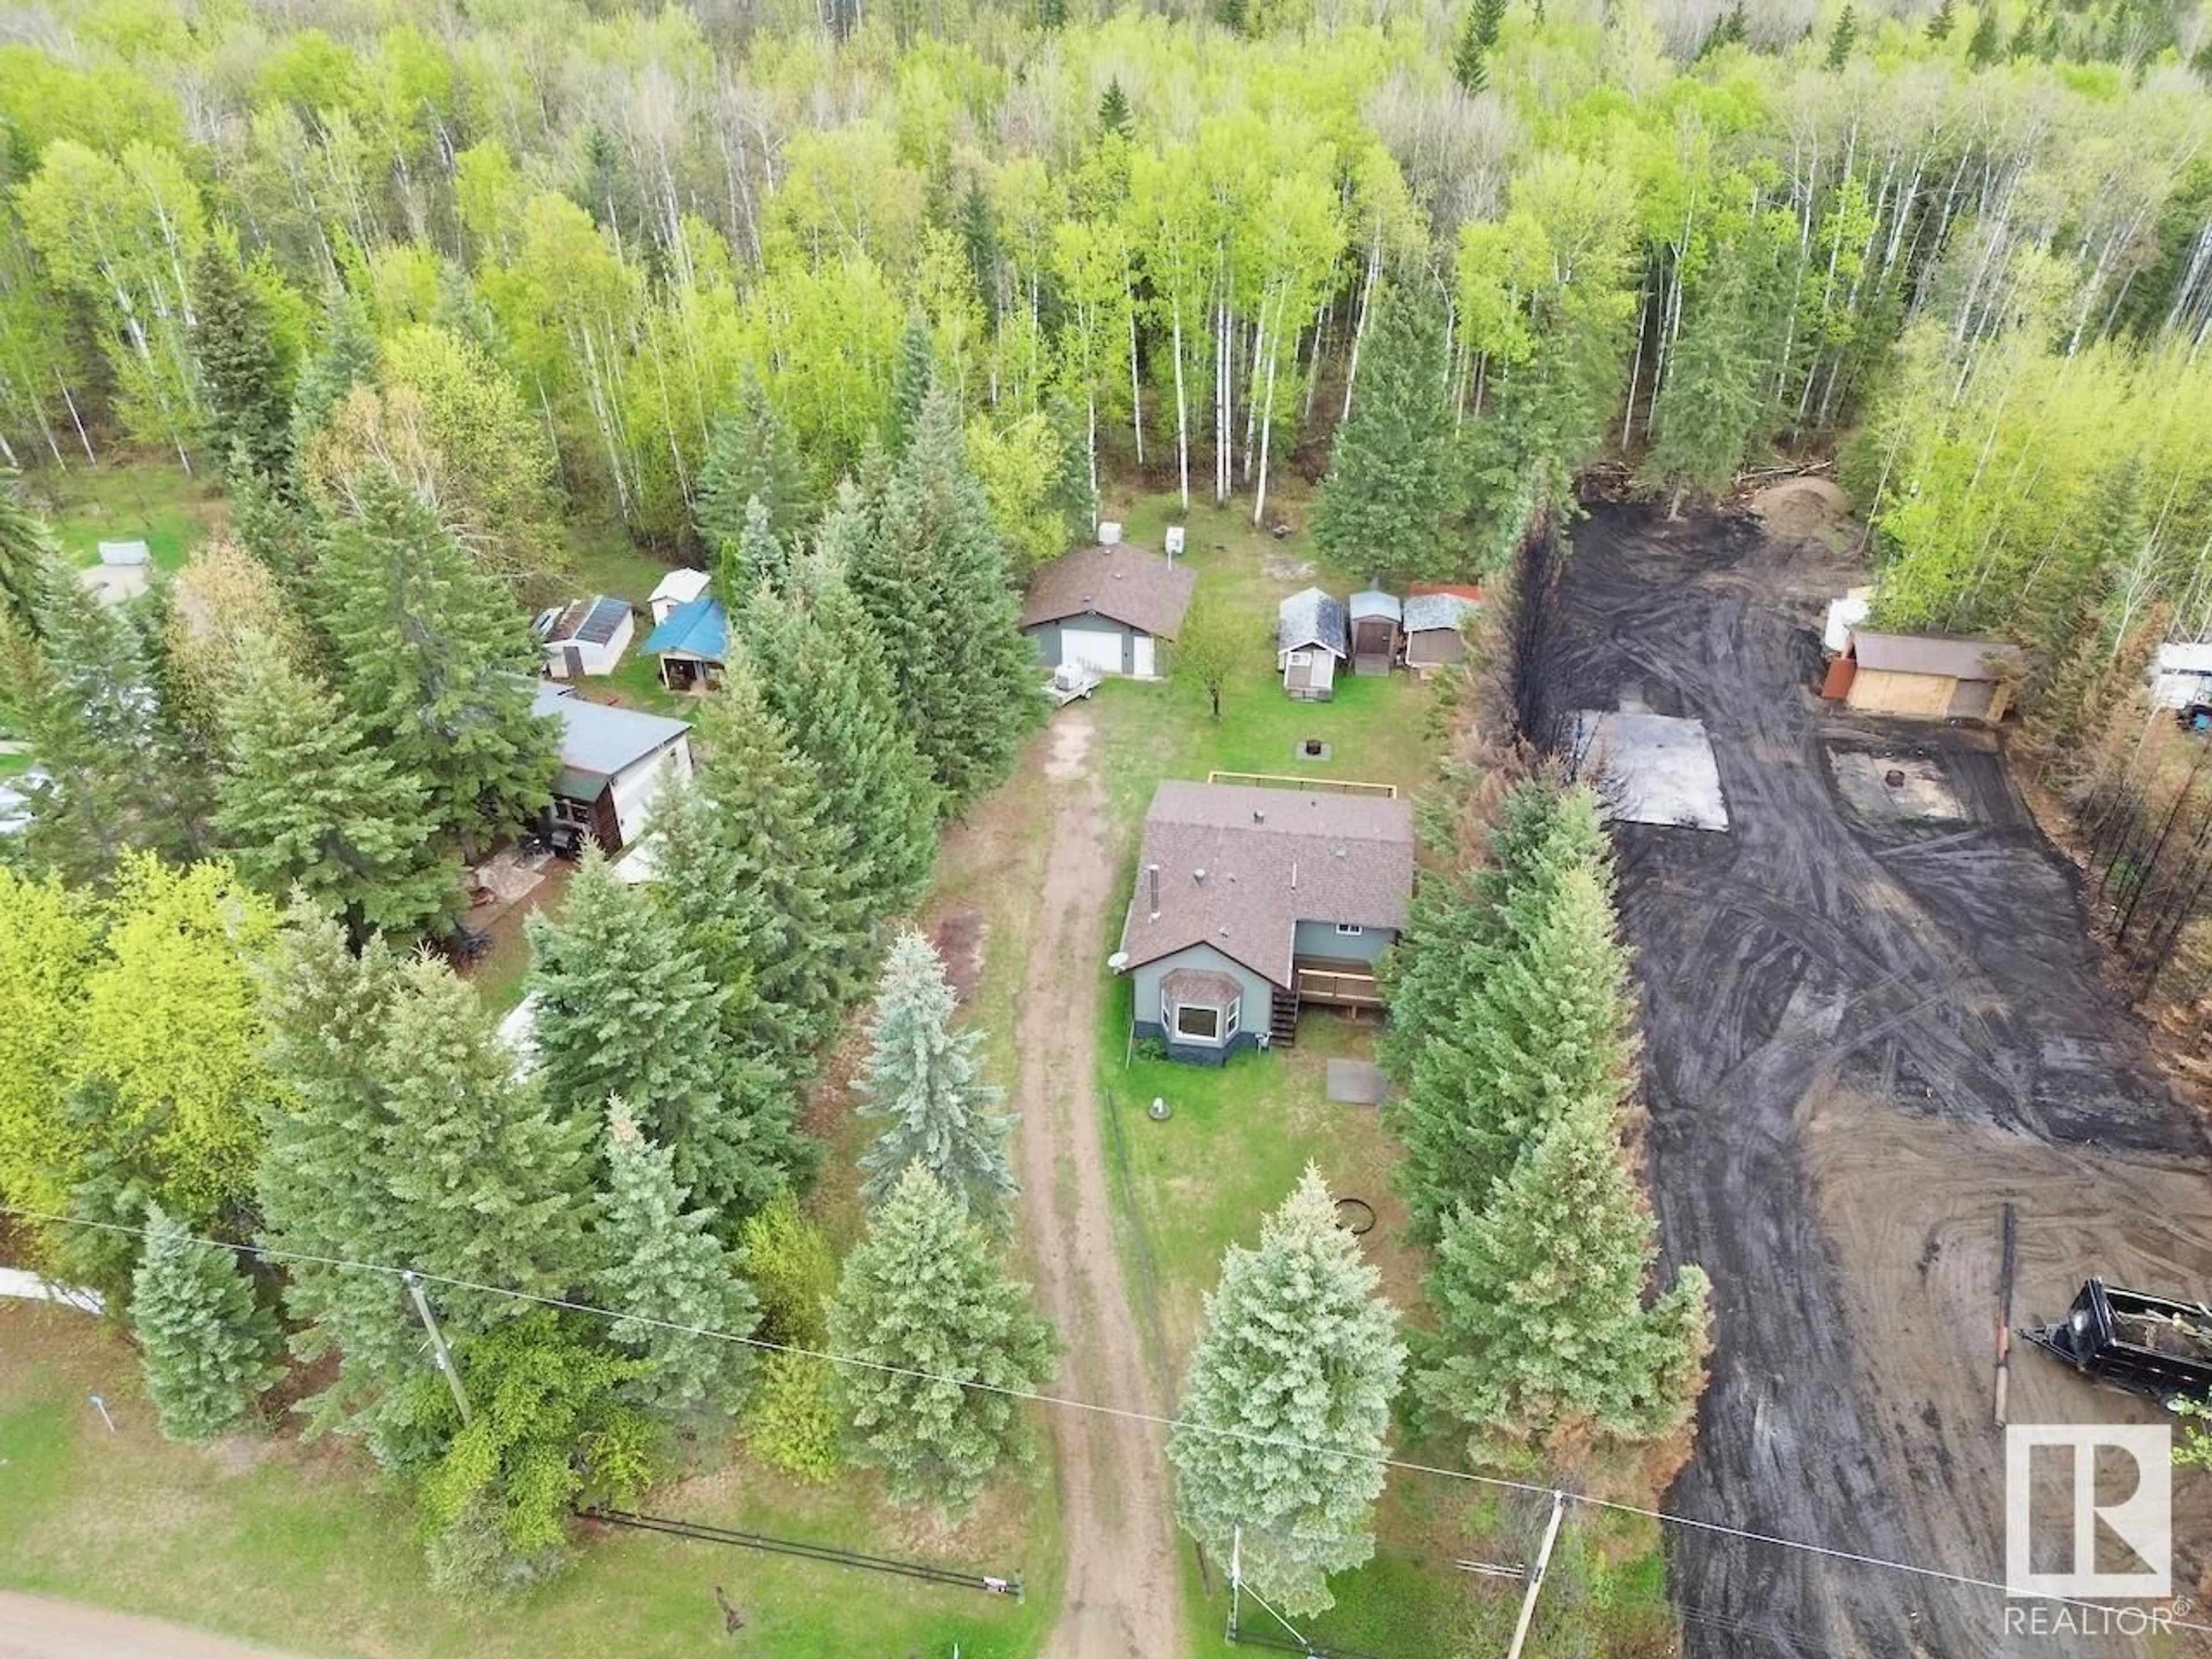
(1851, 1026)
(1122, 1596)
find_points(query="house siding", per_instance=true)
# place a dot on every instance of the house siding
(1321, 938)
(637, 788)
(1257, 994)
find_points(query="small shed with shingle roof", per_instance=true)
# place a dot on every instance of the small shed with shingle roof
(1106, 608)
(1434, 618)
(1252, 901)
(1311, 640)
(1927, 676)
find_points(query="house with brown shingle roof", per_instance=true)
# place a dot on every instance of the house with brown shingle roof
(1251, 903)
(1106, 608)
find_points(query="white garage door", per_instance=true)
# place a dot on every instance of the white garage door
(1141, 653)
(1091, 649)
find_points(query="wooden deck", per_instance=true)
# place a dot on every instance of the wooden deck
(1336, 984)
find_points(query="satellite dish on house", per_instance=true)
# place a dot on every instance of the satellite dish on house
(1118, 960)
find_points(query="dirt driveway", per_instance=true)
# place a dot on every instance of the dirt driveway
(1122, 1597)
(1872, 1017)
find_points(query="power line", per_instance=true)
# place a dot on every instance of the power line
(1063, 1402)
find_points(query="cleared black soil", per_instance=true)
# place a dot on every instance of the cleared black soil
(1867, 1026)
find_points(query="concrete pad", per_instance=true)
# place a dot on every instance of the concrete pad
(1655, 768)
(1355, 1082)
(111, 584)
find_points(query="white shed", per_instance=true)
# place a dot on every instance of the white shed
(1844, 615)
(588, 637)
(2180, 674)
(677, 587)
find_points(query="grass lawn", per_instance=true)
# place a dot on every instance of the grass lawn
(308, 1547)
(153, 501)
(1237, 1139)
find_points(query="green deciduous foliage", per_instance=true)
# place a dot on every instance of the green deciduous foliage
(793, 1419)
(924, 1082)
(624, 1008)
(434, 661)
(1544, 1340)
(1394, 486)
(671, 1279)
(549, 1429)
(305, 801)
(203, 1340)
(924, 1296)
(48, 945)
(1215, 642)
(168, 1035)
(1286, 1414)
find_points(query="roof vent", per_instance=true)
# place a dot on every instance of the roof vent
(1339, 852)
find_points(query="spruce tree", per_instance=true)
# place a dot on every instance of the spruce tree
(912, 377)
(30, 562)
(1842, 38)
(322, 1186)
(757, 558)
(305, 801)
(490, 1185)
(933, 580)
(941, 1334)
(925, 1081)
(750, 456)
(1986, 43)
(1470, 67)
(241, 371)
(624, 1009)
(723, 920)
(1285, 1417)
(84, 693)
(435, 661)
(1547, 1027)
(1394, 481)
(664, 1271)
(204, 1341)
(777, 840)
(1114, 115)
(823, 673)
(1543, 1338)
(1944, 20)
(345, 358)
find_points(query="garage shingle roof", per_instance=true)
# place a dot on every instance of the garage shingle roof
(1310, 617)
(1122, 583)
(1270, 858)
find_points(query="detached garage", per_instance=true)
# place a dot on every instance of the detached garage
(1106, 609)
(1927, 676)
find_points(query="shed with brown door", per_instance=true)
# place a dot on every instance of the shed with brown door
(1376, 619)
(1928, 676)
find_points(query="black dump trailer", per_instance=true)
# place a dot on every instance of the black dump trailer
(2151, 1344)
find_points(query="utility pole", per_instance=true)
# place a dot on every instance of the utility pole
(445, 1357)
(1536, 1575)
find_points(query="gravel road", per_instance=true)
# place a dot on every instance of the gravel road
(1870, 1018)
(36, 1627)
